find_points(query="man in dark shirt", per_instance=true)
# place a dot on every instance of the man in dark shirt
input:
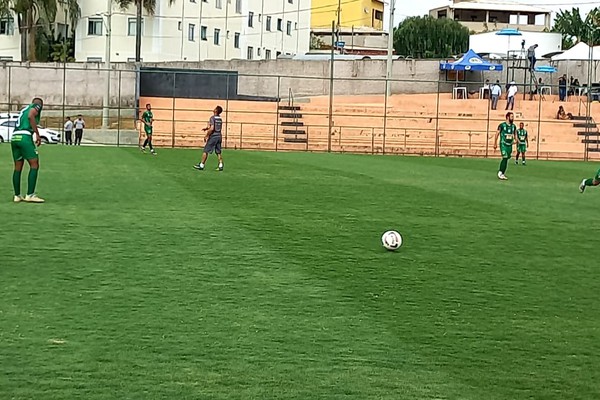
(213, 139)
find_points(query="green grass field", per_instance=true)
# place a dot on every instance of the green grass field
(141, 278)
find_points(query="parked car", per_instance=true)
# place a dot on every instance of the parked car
(7, 127)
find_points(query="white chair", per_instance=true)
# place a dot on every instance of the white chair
(546, 90)
(460, 89)
(482, 91)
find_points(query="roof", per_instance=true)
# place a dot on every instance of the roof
(496, 6)
(470, 61)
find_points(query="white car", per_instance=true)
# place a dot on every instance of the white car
(7, 127)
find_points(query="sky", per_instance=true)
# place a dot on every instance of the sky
(408, 8)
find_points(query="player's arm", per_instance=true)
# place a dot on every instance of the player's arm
(496, 138)
(32, 114)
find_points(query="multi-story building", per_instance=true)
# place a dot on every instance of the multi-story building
(357, 13)
(195, 30)
(489, 15)
(10, 38)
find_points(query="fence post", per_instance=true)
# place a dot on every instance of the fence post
(372, 140)
(173, 106)
(9, 86)
(119, 110)
(331, 89)
(241, 134)
(226, 105)
(277, 111)
(487, 125)
(64, 94)
(539, 126)
(385, 103)
(437, 121)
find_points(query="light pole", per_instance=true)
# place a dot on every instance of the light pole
(106, 98)
(388, 84)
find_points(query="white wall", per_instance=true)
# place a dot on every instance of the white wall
(489, 42)
(166, 36)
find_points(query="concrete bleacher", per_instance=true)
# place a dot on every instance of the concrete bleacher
(415, 124)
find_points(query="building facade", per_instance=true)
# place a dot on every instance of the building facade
(191, 30)
(10, 38)
(485, 16)
(357, 13)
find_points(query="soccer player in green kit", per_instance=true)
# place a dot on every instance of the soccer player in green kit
(522, 143)
(148, 119)
(506, 131)
(23, 144)
(595, 181)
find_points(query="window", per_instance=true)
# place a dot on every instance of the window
(131, 26)
(219, 4)
(258, 52)
(289, 28)
(236, 40)
(179, 26)
(217, 37)
(277, 54)
(7, 26)
(250, 19)
(238, 6)
(291, 1)
(378, 15)
(295, 26)
(267, 54)
(203, 33)
(268, 23)
(250, 53)
(279, 24)
(94, 59)
(191, 32)
(95, 26)
(192, 1)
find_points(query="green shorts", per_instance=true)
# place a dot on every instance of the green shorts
(23, 147)
(522, 148)
(597, 176)
(148, 130)
(506, 151)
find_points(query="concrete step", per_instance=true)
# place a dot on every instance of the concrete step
(289, 108)
(292, 123)
(295, 140)
(593, 132)
(585, 125)
(290, 115)
(294, 132)
(591, 141)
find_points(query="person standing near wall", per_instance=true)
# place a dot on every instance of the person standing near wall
(496, 93)
(69, 132)
(79, 126)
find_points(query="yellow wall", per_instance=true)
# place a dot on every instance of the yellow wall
(353, 13)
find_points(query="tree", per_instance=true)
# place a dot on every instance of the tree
(34, 19)
(575, 29)
(150, 7)
(428, 37)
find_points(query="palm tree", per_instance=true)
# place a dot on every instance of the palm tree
(150, 7)
(33, 15)
(576, 29)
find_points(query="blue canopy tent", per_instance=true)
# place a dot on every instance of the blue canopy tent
(470, 61)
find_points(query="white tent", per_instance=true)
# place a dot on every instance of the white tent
(580, 51)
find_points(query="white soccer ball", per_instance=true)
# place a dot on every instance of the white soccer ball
(391, 240)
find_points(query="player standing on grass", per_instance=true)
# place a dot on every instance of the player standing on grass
(522, 142)
(506, 131)
(595, 181)
(23, 144)
(213, 139)
(148, 119)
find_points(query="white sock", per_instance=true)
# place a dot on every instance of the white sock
(201, 165)
(220, 165)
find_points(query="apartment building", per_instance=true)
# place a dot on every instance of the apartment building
(195, 30)
(357, 13)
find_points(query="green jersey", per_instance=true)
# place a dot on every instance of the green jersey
(522, 135)
(147, 117)
(23, 124)
(507, 133)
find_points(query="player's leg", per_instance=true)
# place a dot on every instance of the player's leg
(595, 181)
(505, 150)
(219, 153)
(523, 151)
(517, 157)
(201, 164)
(209, 147)
(149, 140)
(30, 153)
(18, 170)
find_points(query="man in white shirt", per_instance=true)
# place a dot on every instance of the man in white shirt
(510, 95)
(79, 125)
(69, 131)
(496, 93)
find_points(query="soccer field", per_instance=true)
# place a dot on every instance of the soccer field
(141, 278)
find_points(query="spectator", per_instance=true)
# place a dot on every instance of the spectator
(69, 132)
(496, 93)
(79, 126)
(561, 114)
(486, 89)
(562, 88)
(510, 95)
(531, 56)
